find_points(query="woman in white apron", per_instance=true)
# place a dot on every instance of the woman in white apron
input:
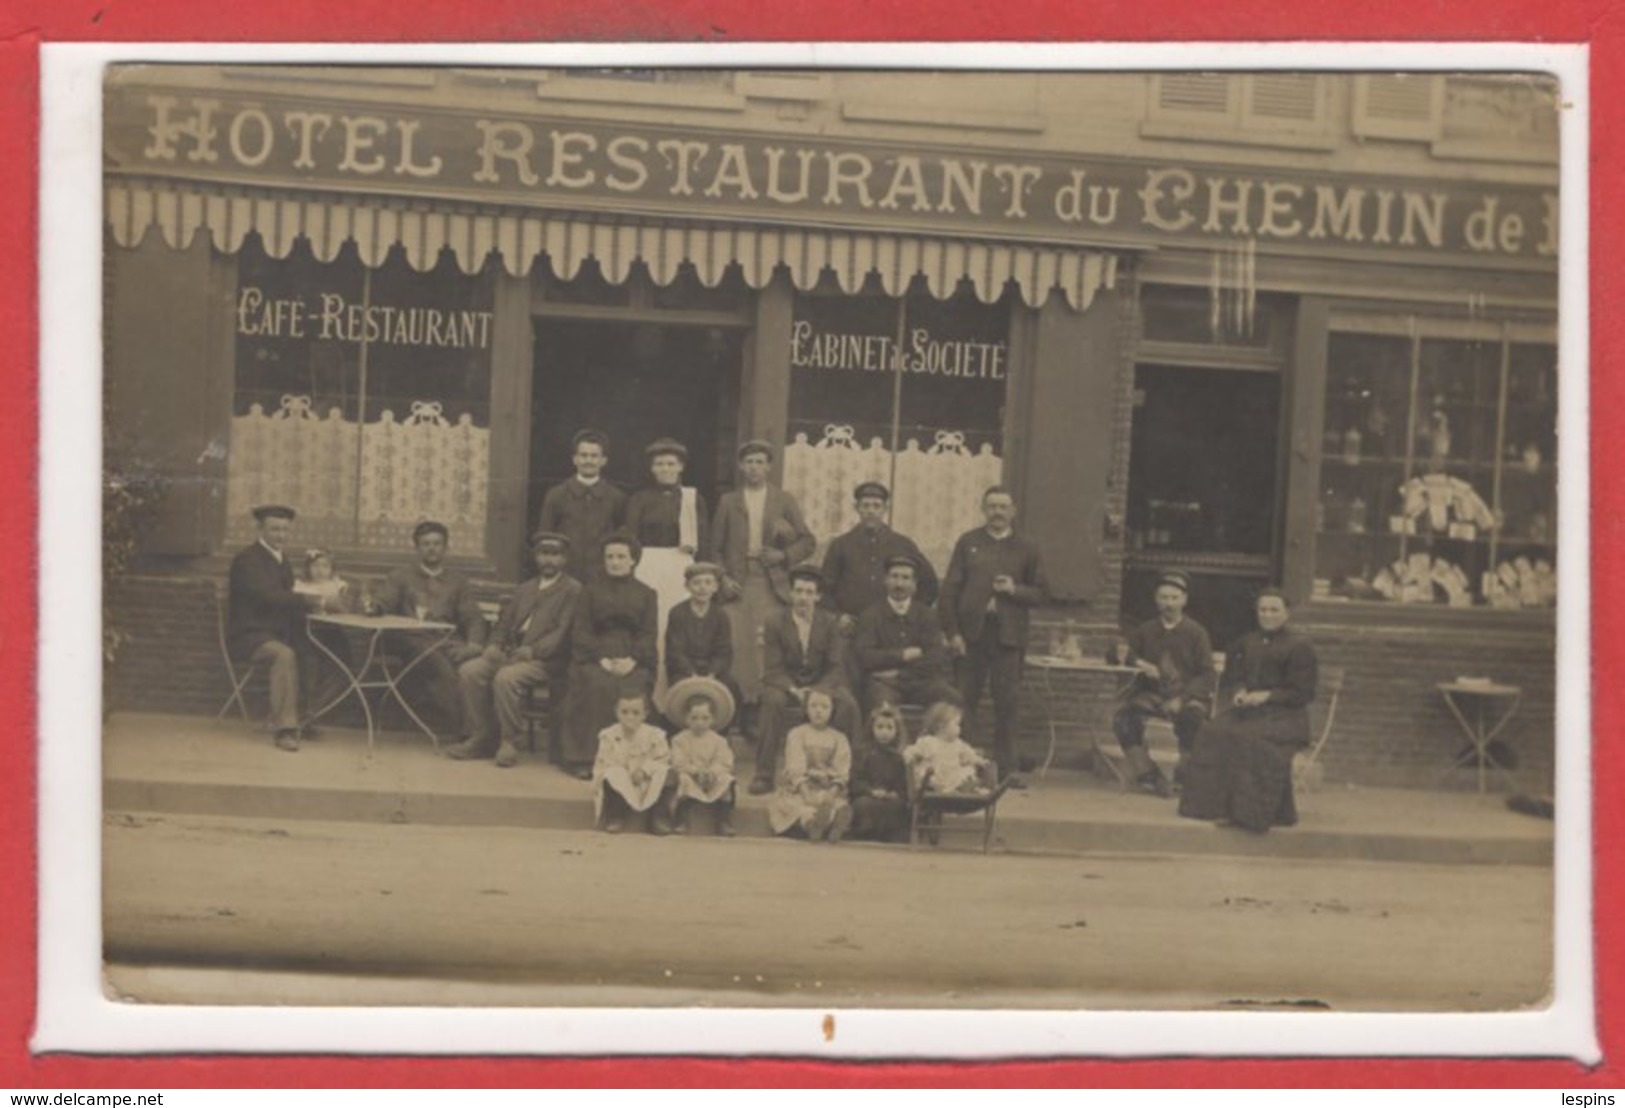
(670, 520)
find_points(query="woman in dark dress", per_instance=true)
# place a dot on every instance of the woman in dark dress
(1240, 770)
(669, 520)
(612, 651)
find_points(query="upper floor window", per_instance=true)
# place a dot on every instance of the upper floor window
(1271, 109)
(1499, 116)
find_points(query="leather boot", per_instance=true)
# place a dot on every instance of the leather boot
(725, 814)
(1147, 777)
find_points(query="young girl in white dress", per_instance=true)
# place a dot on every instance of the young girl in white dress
(942, 762)
(817, 767)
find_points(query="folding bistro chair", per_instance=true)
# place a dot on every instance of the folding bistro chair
(239, 678)
(1305, 774)
(926, 809)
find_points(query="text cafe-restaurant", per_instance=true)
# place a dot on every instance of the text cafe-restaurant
(1294, 328)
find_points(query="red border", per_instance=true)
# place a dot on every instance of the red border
(25, 24)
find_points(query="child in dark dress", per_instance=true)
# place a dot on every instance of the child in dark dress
(880, 780)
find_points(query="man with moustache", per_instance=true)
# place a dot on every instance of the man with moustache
(529, 647)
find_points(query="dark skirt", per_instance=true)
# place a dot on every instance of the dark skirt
(880, 819)
(1237, 773)
(590, 707)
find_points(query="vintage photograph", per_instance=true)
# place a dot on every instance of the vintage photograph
(830, 538)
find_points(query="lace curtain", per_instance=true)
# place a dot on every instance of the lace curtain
(936, 491)
(420, 467)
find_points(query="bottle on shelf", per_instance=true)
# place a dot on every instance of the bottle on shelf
(1352, 446)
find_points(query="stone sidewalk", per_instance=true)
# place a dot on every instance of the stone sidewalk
(192, 765)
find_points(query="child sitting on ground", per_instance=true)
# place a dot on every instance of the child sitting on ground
(880, 780)
(942, 762)
(700, 757)
(817, 766)
(631, 777)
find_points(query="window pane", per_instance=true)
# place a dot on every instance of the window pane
(1526, 552)
(949, 406)
(1203, 469)
(428, 404)
(296, 409)
(1187, 315)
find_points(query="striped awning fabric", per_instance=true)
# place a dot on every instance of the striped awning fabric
(375, 224)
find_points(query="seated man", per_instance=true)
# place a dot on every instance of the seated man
(530, 646)
(265, 619)
(1175, 682)
(801, 651)
(1240, 771)
(429, 590)
(902, 652)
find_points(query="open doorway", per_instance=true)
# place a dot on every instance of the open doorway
(635, 381)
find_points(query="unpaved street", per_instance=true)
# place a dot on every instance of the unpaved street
(553, 917)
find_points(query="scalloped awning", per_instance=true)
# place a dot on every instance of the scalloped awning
(375, 224)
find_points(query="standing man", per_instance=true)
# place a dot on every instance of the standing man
(529, 646)
(430, 591)
(855, 563)
(995, 578)
(902, 653)
(585, 508)
(802, 651)
(759, 534)
(265, 618)
(1176, 680)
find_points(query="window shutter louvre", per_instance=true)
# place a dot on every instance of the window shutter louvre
(1398, 106)
(1289, 98)
(1193, 94)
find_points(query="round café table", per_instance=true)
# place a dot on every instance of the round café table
(431, 633)
(1047, 664)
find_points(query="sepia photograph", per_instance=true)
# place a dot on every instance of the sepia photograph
(830, 538)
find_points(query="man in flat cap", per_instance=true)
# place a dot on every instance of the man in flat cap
(758, 535)
(802, 650)
(585, 508)
(430, 590)
(855, 563)
(265, 619)
(1176, 680)
(902, 652)
(994, 580)
(530, 646)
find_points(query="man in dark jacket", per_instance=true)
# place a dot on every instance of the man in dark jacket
(901, 650)
(995, 578)
(529, 646)
(586, 507)
(431, 590)
(265, 618)
(1176, 680)
(802, 649)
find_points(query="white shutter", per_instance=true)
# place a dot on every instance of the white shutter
(1283, 99)
(1210, 95)
(1398, 105)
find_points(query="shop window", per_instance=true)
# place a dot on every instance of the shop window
(1438, 477)
(362, 398)
(909, 392)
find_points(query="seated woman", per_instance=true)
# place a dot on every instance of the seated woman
(1240, 771)
(631, 776)
(612, 651)
(811, 796)
(942, 762)
(880, 780)
(700, 757)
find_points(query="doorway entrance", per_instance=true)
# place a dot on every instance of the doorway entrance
(636, 381)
